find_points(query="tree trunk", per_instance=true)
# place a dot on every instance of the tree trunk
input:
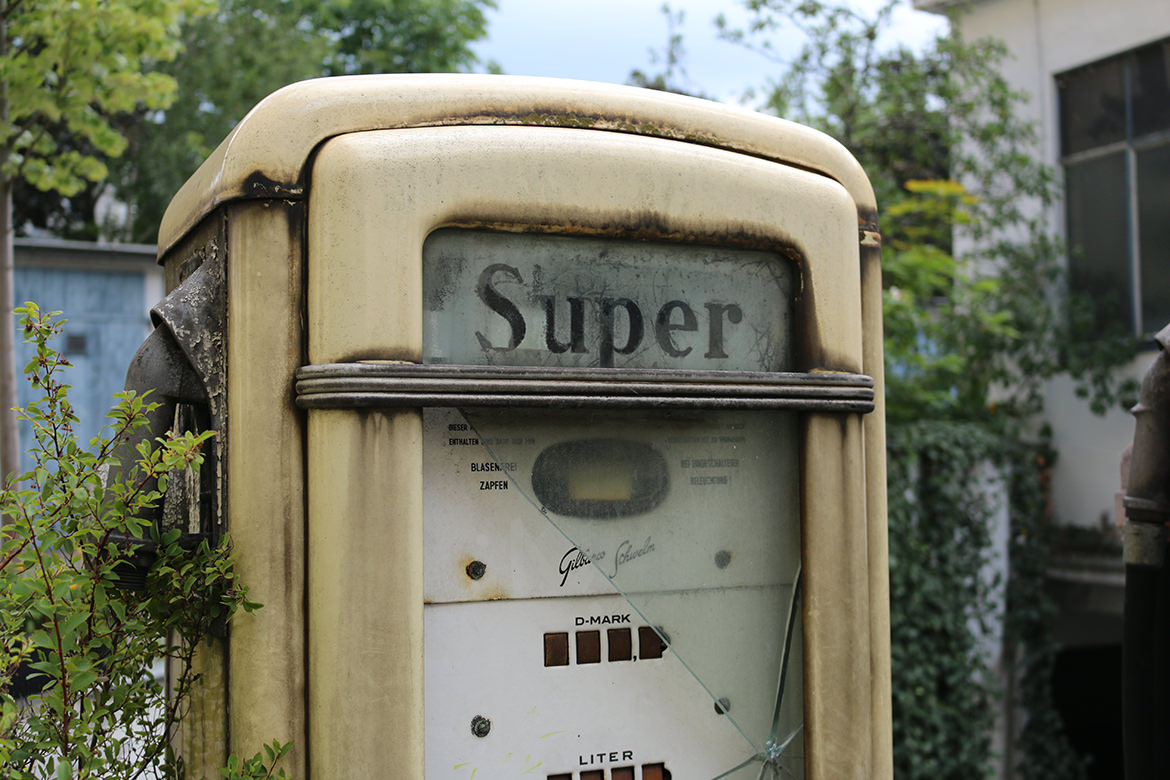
(9, 435)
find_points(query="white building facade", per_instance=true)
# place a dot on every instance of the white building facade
(1098, 74)
(1099, 78)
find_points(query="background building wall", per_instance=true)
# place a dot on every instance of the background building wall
(1046, 38)
(105, 293)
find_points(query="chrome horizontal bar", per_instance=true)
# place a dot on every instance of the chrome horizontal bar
(357, 385)
(375, 400)
(335, 385)
(528, 373)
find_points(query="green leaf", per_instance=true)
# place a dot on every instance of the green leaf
(41, 639)
(74, 622)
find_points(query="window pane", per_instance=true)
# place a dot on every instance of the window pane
(1097, 235)
(1153, 175)
(1151, 89)
(1092, 106)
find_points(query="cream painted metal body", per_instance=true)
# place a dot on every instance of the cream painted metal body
(323, 198)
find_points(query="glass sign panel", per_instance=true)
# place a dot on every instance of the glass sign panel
(522, 299)
(617, 592)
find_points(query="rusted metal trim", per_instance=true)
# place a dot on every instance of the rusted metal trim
(395, 368)
(374, 400)
(357, 385)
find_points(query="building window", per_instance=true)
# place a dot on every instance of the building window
(1115, 148)
(76, 345)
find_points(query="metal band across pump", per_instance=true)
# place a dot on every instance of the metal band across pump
(356, 385)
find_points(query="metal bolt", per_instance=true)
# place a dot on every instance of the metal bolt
(476, 569)
(723, 706)
(480, 726)
(722, 559)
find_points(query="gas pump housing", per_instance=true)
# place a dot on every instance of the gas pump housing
(377, 246)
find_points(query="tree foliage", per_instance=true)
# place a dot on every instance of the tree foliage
(672, 75)
(977, 319)
(77, 699)
(232, 58)
(973, 277)
(66, 68)
(943, 719)
(399, 36)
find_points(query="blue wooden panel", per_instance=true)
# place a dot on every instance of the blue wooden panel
(105, 310)
(82, 293)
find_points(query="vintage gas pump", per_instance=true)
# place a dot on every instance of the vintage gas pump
(551, 435)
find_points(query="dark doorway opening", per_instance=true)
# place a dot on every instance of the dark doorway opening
(1086, 688)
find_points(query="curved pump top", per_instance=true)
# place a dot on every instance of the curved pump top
(266, 155)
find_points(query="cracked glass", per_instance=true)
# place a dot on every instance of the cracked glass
(517, 299)
(629, 579)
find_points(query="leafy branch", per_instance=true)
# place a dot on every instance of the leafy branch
(77, 695)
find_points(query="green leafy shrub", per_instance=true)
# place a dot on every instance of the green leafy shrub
(83, 644)
(945, 606)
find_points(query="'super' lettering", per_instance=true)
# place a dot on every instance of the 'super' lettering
(673, 323)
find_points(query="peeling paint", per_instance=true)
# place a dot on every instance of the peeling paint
(257, 185)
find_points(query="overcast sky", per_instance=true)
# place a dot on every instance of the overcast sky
(603, 40)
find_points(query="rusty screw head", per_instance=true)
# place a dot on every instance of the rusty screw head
(480, 726)
(476, 569)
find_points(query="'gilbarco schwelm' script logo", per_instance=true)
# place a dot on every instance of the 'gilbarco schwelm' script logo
(626, 553)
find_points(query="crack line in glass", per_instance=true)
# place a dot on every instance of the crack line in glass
(769, 755)
(544, 512)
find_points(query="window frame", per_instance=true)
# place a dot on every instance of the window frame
(1130, 146)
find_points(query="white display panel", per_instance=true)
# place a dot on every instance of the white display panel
(701, 549)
